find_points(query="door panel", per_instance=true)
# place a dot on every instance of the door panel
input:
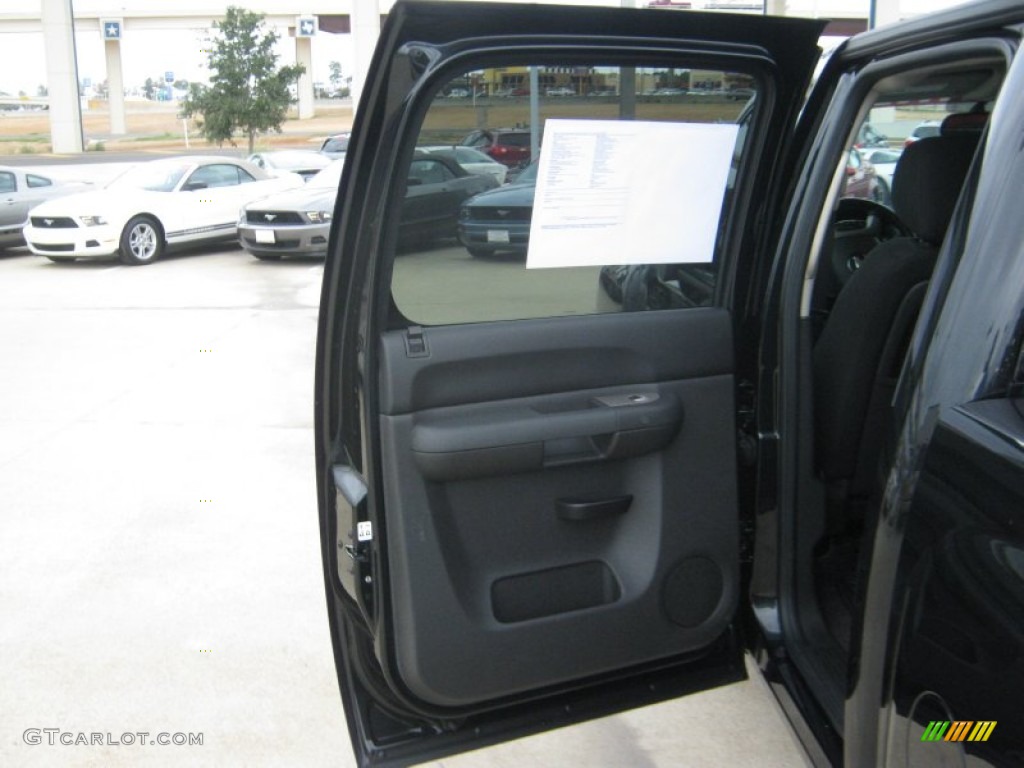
(577, 511)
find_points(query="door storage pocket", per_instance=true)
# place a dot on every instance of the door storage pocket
(553, 591)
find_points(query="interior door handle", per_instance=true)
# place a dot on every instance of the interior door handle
(578, 510)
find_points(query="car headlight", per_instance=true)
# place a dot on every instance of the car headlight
(318, 217)
(93, 221)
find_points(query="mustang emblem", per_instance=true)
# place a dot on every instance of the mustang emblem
(269, 216)
(48, 222)
(503, 212)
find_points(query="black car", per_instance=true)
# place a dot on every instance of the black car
(543, 506)
(435, 188)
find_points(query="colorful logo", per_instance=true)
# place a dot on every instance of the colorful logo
(958, 730)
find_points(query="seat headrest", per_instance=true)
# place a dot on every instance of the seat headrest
(927, 182)
(963, 122)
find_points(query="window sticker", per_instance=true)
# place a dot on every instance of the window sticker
(615, 192)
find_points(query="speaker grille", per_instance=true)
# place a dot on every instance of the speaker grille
(692, 590)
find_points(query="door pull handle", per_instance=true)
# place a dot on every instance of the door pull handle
(579, 510)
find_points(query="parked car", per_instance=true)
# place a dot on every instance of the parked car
(557, 511)
(20, 191)
(560, 91)
(923, 130)
(884, 162)
(499, 220)
(509, 147)
(298, 222)
(304, 162)
(861, 179)
(435, 188)
(868, 137)
(335, 146)
(151, 207)
(472, 160)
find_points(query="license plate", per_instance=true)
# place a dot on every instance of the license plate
(497, 236)
(264, 235)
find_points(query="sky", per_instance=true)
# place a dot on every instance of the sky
(151, 53)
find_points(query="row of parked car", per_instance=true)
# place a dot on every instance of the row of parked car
(276, 203)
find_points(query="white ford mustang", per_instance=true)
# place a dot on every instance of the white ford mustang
(150, 207)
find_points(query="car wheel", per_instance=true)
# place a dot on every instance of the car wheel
(480, 253)
(142, 241)
(268, 256)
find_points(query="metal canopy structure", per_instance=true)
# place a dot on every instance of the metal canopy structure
(59, 22)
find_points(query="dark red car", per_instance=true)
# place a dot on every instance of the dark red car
(510, 147)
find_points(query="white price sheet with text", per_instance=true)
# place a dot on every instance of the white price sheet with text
(629, 192)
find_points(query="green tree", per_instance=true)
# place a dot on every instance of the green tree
(248, 92)
(149, 88)
(335, 76)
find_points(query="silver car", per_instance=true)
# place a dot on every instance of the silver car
(294, 223)
(20, 192)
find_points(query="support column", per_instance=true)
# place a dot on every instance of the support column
(304, 56)
(115, 87)
(365, 31)
(62, 76)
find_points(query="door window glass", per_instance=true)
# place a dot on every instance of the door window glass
(429, 172)
(642, 170)
(7, 183)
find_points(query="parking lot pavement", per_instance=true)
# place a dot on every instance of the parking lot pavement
(159, 554)
(159, 541)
